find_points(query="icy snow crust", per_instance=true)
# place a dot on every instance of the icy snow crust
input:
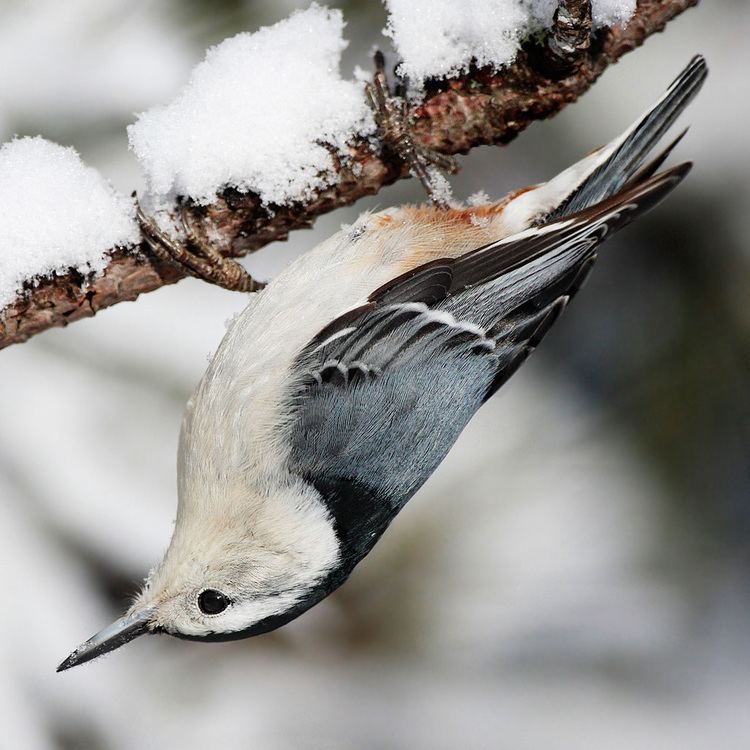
(440, 38)
(55, 213)
(255, 115)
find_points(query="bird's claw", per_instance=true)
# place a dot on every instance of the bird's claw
(392, 118)
(196, 256)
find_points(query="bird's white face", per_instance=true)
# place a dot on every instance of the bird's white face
(257, 559)
(222, 575)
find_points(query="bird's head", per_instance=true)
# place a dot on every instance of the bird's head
(245, 571)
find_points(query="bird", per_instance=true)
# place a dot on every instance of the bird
(345, 382)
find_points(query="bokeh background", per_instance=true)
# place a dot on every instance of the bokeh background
(576, 574)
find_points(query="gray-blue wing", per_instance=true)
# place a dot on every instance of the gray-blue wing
(378, 410)
(384, 391)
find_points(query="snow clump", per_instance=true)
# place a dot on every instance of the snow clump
(262, 112)
(55, 213)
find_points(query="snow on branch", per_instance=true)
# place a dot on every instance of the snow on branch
(267, 122)
(264, 112)
(56, 214)
(445, 38)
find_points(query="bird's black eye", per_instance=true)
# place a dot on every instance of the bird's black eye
(211, 602)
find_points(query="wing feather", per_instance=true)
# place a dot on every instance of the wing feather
(485, 284)
(385, 390)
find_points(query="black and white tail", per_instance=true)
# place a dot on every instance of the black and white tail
(613, 166)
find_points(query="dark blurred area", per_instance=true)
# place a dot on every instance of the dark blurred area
(576, 574)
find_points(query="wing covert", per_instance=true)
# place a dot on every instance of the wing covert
(382, 393)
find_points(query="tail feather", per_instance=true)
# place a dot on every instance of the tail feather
(651, 167)
(624, 156)
(541, 263)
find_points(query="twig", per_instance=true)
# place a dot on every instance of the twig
(480, 108)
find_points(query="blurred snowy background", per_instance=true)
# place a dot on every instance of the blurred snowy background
(577, 573)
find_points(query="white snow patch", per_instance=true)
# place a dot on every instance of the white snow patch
(255, 113)
(55, 213)
(479, 221)
(612, 12)
(480, 198)
(442, 38)
(440, 187)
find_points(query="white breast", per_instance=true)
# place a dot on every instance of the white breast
(234, 418)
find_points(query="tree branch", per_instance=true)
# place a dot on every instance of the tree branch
(480, 108)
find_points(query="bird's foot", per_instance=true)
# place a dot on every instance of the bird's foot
(392, 118)
(196, 256)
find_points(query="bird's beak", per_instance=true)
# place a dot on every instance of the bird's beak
(113, 636)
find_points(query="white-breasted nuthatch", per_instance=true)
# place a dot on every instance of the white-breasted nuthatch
(342, 386)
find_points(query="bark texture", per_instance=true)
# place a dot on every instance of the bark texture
(481, 108)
